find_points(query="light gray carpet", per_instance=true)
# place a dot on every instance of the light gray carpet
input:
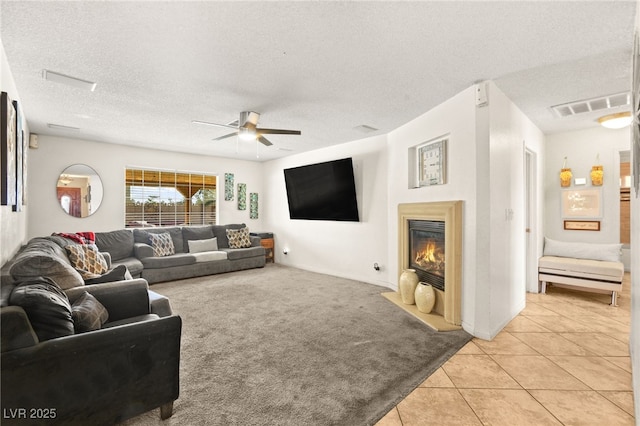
(283, 346)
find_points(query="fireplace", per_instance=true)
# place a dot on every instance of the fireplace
(430, 241)
(427, 251)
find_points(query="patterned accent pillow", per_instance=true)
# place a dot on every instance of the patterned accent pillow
(88, 313)
(162, 244)
(87, 259)
(239, 238)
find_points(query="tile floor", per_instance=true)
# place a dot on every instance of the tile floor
(563, 361)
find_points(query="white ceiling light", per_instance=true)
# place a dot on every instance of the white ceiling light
(247, 135)
(68, 80)
(616, 121)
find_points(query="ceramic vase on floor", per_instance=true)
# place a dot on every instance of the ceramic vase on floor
(425, 297)
(407, 286)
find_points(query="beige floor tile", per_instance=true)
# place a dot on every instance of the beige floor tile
(623, 362)
(596, 372)
(534, 309)
(522, 324)
(470, 349)
(552, 344)
(598, 343)
(507, 407)
(603, 324)
(477, 371)
(560, 324)
(426, 406)
(537, 372)
(392, 418)
(623, 337)
(567, 309)
(623, 400)
(582, 408)
(505, 344)
(438, 379)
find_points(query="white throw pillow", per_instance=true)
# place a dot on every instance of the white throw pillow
(199, 246)
(593, 251)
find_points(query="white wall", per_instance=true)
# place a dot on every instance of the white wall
(13, 225)
(634, 339)
(347, 249)
(456, 119)
(510, 133)
(109, 161)
(581, 148)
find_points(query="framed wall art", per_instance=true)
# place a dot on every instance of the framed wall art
(242, 196)
(431, 163)
(7, 151)
(228, 186)
(582, 225)
(20, 160)
(582, 203)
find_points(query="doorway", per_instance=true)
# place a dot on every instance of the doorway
(530, 209)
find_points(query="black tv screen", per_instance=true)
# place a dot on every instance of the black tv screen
(322, 191)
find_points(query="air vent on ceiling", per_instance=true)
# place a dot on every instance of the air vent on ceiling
(365, 129)
(600, 104)
(61, 127)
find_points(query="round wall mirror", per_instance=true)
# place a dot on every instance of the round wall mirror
(79, 190)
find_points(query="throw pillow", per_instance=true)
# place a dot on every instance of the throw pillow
(162, 244)
(239, 238)
(199, 246)
(119, 273)
(46, 305)
(88, 313)
(87, 259)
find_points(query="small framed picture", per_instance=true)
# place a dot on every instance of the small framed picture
(432, 163)
(582, 225)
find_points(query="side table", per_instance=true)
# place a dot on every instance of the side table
(266, 240)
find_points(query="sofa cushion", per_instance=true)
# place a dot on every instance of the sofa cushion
(133, 264)
(162, 244)
(593, 251)
(119, 273)
(87, 259)
(191, 233)
(41, 257)
(46, 305)
(88, 314)
(239, 238)
(168, 261)
(220, 232)
(210, 256)
(235, 254)
(117, 243)
(142, 236)
(199, 246)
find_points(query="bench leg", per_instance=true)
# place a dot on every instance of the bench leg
(614, 298)
(543, 287)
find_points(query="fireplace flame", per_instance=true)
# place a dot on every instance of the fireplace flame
(431, 257)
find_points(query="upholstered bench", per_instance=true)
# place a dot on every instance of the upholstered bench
(585, 266)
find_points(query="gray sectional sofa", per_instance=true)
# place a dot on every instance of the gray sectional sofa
(133, 248)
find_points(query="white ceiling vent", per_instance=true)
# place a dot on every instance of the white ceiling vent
(600, 104)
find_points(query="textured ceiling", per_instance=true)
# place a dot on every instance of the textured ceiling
(324, 68)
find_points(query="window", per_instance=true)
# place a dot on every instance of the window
(169, 198)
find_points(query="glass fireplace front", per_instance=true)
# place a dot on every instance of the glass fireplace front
(426, 248)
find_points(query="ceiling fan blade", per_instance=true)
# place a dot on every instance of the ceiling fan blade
(278, 132)
(264, 140)
(206, 123)
(225, 136)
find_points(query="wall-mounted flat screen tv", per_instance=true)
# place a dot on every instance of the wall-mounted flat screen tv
(322, 191)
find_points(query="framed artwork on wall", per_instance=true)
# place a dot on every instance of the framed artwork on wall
(582, 225)
(581, 203)
(8, 138)
(20, 160)
(431, 159)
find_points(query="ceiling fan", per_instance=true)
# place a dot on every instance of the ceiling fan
(246, 127)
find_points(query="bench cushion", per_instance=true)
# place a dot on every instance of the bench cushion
(583, 268)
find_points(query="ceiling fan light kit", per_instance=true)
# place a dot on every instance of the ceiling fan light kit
(616, 121)
(247, 130)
